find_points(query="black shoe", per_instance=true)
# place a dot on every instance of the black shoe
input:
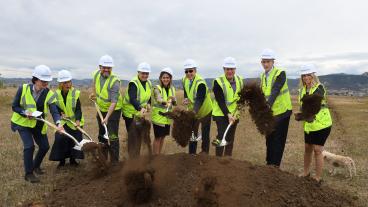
(38, 171)
(61, 164)
(73, 162)
(31, 178)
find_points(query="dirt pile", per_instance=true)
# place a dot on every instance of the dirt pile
(183, 125)
(252, 96)
(186, 180)
(98, 158)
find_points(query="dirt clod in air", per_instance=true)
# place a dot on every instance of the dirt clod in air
(311, 106)
(252, 96)
(183, 124)
(139, 132)
(99, 159)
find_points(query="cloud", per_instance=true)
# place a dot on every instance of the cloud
(74, 34)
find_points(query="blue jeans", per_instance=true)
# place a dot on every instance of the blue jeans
(29, 136)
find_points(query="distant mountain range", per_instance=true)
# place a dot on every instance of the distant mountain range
(344, 83)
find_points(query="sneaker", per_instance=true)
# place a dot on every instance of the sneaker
(216, 142)
(38, 171)
(31, 178)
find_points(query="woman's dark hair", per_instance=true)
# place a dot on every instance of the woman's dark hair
(34, 79)
(162, 74)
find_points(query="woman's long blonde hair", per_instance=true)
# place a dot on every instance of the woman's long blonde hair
(61, 85)
(315, 81)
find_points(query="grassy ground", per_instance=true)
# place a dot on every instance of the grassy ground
(348, 137)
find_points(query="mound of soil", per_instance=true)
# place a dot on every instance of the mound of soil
(187, 180)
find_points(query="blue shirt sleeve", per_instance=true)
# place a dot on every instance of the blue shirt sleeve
(16, 102)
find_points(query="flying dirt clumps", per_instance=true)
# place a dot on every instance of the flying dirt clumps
(311, 106)
(183, 125)
(252, 96)
(205, 195)
(139, 184)
(99, 159)
(139, 131)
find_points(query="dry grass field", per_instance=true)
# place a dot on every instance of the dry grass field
(348, 137)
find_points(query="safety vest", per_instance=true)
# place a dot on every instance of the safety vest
(28, 103)
(157, 107)
(69, 107)
(283, 100)
(102, 94)
(143, 96)
(191, 92)
(323, 117)
(231, 97)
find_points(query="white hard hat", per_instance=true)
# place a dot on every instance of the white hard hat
(308, 69)
(42, 72)
(268, 54)
(167, 70)
(106, 61)
(229, 62)
(190, 63)
(64, 76)
(144, 67)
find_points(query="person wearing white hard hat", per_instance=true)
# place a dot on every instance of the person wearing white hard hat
(69, 106)
(197, 98)
(162, 101)
(136, 102)
(317, 129)
(106, 92)
(35, 96)
(275, 88)
(226, 89)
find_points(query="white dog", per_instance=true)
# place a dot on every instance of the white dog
(340, 161)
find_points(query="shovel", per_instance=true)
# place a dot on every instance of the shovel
(78, 145)
(223, 141)
(78, 127)
(193, 138)
(106, 135)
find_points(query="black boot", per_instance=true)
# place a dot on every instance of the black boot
(61, 164)
(38, 171)
(114, 151)
(73, 162)
(30, 177)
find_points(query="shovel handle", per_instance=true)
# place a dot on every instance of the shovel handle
(56, 128)
(78, 127)
(98, 110)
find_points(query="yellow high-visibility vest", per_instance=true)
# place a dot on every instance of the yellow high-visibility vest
(158, 107)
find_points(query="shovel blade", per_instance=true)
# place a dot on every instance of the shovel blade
(223, 143)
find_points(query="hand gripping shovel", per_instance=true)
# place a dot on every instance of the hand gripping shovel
(78, 127)
(78, 145)
(106, 135)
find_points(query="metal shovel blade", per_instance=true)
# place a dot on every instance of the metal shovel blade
(80, 144)
(193, 138)
(223, 141)
(106, 135)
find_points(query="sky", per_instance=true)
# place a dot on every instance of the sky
(73, 35)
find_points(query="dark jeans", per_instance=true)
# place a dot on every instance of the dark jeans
(205, 128)
(63, 145)
(29, 136)
(222, 122)
(275, 142)
(113, 130)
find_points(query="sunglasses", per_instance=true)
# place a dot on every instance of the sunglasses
(266, 61)
(230, 68)
(189, 71)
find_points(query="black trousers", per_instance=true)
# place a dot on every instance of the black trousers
(205, 128)
(222, 122)
(113, 130)
(275, 142)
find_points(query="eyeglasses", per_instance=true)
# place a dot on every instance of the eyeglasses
(266, 61)
(230, 68)
(189, 71)
(144, 73)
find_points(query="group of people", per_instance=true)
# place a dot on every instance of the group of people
(141, 97)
